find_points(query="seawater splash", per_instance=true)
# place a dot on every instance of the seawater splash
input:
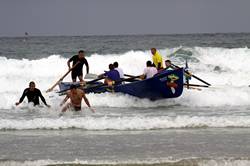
(226, 69)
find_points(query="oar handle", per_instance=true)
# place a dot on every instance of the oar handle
(92, 81)
(127, 75)
(52, 87)
(196, 85)
(200, 80)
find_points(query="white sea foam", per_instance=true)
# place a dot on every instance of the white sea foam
(125, 122)
(230, 81)
(160, 161)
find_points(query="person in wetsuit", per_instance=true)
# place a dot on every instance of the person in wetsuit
(77, 70)
(75, 95)
(33, 95)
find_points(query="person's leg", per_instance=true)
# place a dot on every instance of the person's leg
(67, 106)
(80, 78)
(82, 82)
(73, 76)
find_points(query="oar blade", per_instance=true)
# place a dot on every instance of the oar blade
(91, 76)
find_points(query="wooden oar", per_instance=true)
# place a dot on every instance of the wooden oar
(102, 85)
(187, 79)
(190, 74)
(131, 78)
(127, 75)
(190, 87)
(50, 89)
(196, 85)
(90, 76)
(92, 81)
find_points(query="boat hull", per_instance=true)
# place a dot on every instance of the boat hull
(167, 84)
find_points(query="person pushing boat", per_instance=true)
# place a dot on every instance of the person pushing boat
(33, 94)
(78, 62)
(75, 95)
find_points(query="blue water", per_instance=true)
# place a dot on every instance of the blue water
(39, 47)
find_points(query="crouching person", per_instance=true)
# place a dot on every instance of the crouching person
(75, 95)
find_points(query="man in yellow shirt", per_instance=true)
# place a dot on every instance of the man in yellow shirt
(157, 59)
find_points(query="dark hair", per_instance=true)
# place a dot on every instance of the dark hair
(115, 64)
(81, 51)
(111, 66)
(153, 49)
(149, 63)
(168, 61)
(31, 82)
(73, 86)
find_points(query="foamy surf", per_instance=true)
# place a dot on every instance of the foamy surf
(229, 77)
(145, 162)
(123, 122)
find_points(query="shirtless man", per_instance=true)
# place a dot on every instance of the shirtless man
(75, 95)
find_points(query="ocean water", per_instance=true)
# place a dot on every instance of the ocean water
(203, 127)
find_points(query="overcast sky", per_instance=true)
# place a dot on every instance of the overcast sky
(114, 17)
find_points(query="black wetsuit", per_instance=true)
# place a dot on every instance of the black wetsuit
(77, 71)
(33, 96)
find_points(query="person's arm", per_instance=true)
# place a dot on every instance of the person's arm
(159, 62)
(87, 102)
(143, 76)
(42, 98)
(103, 75)
(65, 99)
(159, 66)
(70, 60)
(22, 97)
(87, 65)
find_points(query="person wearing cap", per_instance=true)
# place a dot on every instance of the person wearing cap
(157, 59)
(75, 95)
(33, 94)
